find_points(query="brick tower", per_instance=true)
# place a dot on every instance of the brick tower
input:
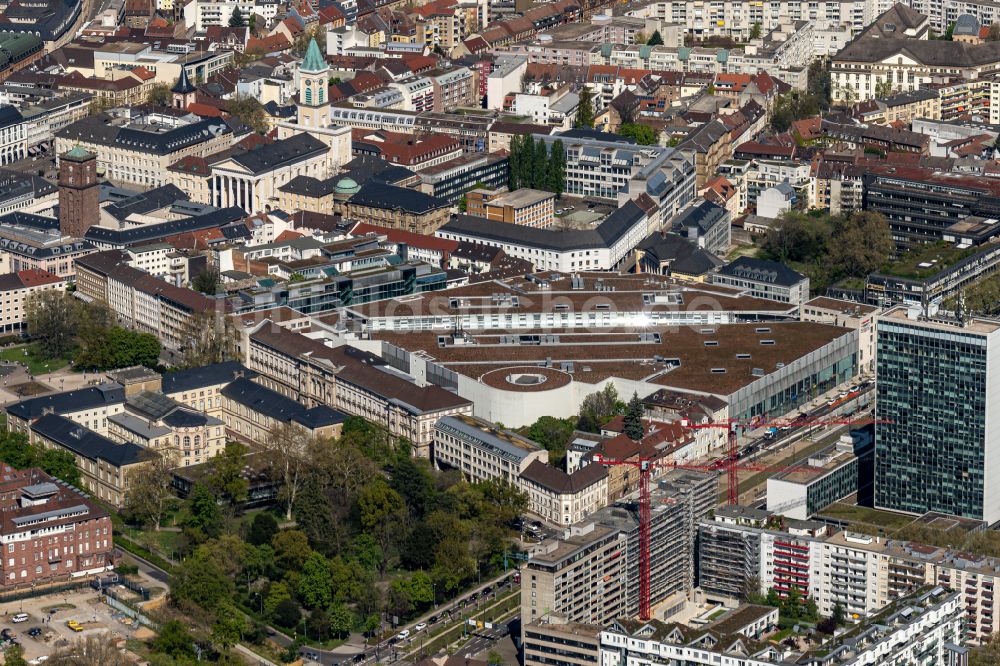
(78, 192)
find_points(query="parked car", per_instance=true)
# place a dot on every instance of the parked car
(403, 635)
(34, 632)
(74, 625)
(420, 626)
(432, 619)
(20, 617)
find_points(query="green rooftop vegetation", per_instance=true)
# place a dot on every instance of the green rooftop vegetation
(923, 262)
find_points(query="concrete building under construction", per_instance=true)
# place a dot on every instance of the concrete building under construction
(590, 574)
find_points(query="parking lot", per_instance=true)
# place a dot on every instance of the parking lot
(46, 629)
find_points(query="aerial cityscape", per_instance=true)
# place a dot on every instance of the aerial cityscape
(500, 332)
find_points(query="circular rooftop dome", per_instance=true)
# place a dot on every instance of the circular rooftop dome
(346, 185)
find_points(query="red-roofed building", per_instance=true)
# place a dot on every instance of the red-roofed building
(332, 17)
(719, 190)
(412, 151)
(731, 85)
(287, 235)
(271, 44)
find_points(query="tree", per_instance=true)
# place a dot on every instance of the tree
(949, 32)
(226, 477)
(553, 434)
(174, 640)
(585, 110)
(598, 408)
(839, 616)
(514, 163)
(276, 593)
(316, 584)
(289, 448)
(150, 491)
(263, 527)
(341, 620)
(250, 111)
(860, 243)
(643, 134)
(291, 550)
(526, 161)
(207, 282)
(230, 625)
(203, 511)
(987, 654)
(287, 614)
(656, 39)
(381, 514)
(51, 317)
(200, 580)
(556, 169)
(453, 564)
(14, 656)
(796, 237)
(994, 33)
(60, 464)
(539, 166)
(633, 427)
(494, 658)
(883, 87)
(236, 18)
(207, 338)
(159, 95)
(755, 31)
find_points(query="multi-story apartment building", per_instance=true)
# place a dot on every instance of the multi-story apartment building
(481, 451)
(453, 88)
(737, 19)
(558, 643)
(202, 13)
(590, 573)
(924, 627)
(50, 531)
(418, 94)
(16, 289)
(728, 553)
(608, 167)
(140, 300)
(947, 371)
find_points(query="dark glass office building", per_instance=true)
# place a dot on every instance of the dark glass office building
(938, 384)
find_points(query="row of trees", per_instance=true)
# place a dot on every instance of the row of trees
(531, 165)
(61, 326)
(830, 247)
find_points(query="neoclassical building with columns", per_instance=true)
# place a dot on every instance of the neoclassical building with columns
(251, 180)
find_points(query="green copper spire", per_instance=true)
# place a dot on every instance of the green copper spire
(314, 61)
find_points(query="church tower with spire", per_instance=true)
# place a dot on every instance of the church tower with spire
(314, 79)
(183, 92)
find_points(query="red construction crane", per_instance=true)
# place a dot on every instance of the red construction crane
(646, 465)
